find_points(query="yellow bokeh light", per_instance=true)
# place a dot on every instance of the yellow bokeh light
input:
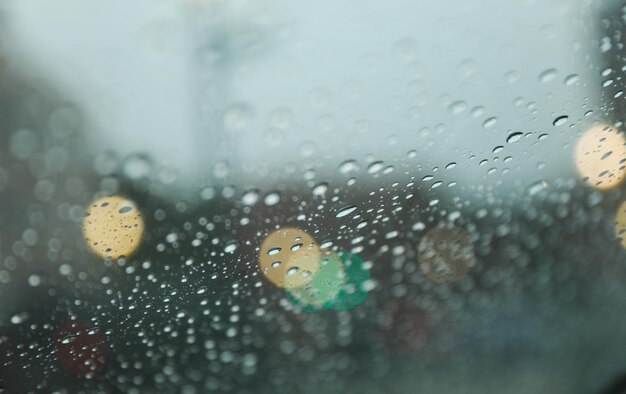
(446, 253)
(113, 227)
(600, 156)
(289, 257)
(620, 223)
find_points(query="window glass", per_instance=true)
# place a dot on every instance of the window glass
(281, 196)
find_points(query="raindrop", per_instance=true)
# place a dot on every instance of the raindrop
(605, 44)
(548, 75)
(477, 111)
(231, 247)
(68, 339)
(512, 77)
(348, 166)
(320, 189)
(34, 280)
(537, 187)
(560, 120)
(514, 137)
(250, 197)
(19, 318)
(125, 209)
(272, 198)
(207, 193)
(221, 169)
(273, 251)
(457, 107)
(375, 167)
(388, 169)
(137, 166)
(105, 162)
(490, 122)
(571, 79)
(345, 211)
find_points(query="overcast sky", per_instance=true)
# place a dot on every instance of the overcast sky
(326, 79)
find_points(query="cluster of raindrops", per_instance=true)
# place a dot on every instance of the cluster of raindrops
(112, 227)
(313, 278)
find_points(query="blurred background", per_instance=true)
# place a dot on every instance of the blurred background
(278, 197)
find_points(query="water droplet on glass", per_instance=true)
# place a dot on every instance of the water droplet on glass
(19, 318)
(537, 187)
(125, 209)
(207, 193)
(250, 197)
(477, 111)
(273, 251)
(320, 189)
(231, 247)
(571, 79)
(272, 198)
(560, 120)
(348, 166)
(514, 137)
(457, 107)
(34, 280)
(375, 167)
(345, 211)
(547, 75)
(490, 122)
(137, 166)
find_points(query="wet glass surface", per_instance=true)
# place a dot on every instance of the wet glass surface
(301, 197)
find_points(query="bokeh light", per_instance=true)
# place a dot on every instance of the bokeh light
(601, 157)
(446, 253)
(620, 223)
(81, 349)
(354, 289)
(323, 287)
(289, 257)
(113, 227)
(339, 283)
